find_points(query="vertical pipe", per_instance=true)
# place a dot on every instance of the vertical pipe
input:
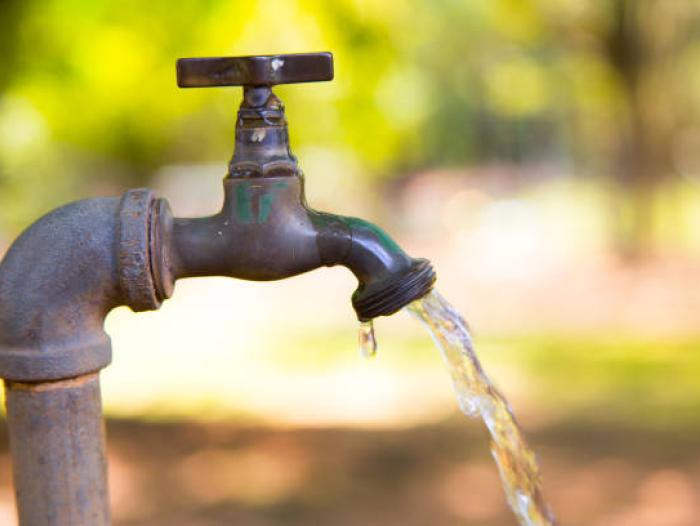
(57, 443)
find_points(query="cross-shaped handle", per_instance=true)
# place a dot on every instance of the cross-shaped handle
(257, 70)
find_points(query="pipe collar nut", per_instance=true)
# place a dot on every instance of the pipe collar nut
(134, 250)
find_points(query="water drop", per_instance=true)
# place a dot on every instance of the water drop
(368, 342)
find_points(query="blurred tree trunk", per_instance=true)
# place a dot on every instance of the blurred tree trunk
(640, 44)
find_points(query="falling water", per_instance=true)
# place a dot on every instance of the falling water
(478, 397)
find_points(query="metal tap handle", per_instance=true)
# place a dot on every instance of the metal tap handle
(258, 70)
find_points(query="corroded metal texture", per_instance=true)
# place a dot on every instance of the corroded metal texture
(63, 275)
(57, 283)
(262, 139)
(134, 252)
(58, 455)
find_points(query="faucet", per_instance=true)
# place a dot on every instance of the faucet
(64, 274)
(265, 230)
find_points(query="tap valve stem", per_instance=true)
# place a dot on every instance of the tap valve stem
(262, 139)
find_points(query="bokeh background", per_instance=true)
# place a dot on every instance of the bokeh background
(544, 154)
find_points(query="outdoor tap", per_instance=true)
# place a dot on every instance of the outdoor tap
(63, 275)
(67, 271)
(265, 230)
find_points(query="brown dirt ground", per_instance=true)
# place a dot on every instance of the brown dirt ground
(194, 474)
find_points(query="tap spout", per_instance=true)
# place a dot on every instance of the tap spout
(388, 278)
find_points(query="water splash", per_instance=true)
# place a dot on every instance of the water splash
(367, 340)
(478, 397)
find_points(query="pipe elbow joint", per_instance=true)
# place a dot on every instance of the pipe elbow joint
(63, 275)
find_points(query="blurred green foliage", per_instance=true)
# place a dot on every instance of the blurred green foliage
(88, 100)
(619, 380)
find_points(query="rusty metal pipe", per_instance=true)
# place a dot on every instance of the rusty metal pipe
(63, 275)
(57, 443)
(58, 281)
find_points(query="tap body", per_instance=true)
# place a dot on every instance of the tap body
(266, 231)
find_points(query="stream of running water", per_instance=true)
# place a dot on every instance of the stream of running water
(477, 397)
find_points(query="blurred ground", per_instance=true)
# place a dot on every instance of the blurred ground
(179, 474)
